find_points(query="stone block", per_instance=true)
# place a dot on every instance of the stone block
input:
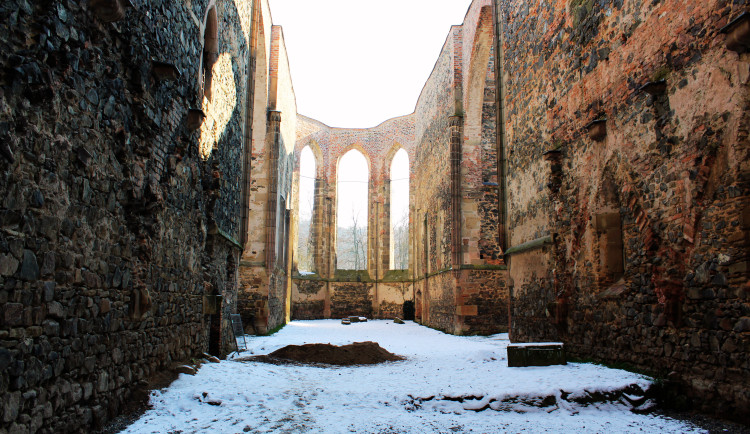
(185, 369)
(11, 406)
(8, 265)
(536, 354)
(467, 310)
(56, 310)
(743, 325)
(29, 267)
(13, 314)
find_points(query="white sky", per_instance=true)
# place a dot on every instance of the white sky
(358, 63)
(399, 186)
(306, 184)
(352, 189)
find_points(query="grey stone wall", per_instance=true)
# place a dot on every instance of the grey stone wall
(106, 240)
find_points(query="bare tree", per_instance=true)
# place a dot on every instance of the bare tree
(305, 240)
(352, 243)
(400, 243)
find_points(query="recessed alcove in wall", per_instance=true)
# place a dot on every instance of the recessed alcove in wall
(210, 53)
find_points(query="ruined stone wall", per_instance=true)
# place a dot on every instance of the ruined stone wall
(309, 299)
(432, 180)
(253, 277)
(465, 301)
(378, 145)
(432, 186)
(391, 295)
(483, 301)
(439, 302)
(454, 204)
(488, 198)
(265, 268)
(284, 102)
(117, 220)
(351, 298)
(671, 169)
(316, 298)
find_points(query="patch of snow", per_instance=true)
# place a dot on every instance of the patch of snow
(446, 384)
(536, 344)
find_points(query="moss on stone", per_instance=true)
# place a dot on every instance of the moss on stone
(275, 329)
(483, 267)
(314, 276)
(352, 276)
(661, 73)
(396, 276)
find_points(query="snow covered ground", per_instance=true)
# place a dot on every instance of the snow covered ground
(438, 389)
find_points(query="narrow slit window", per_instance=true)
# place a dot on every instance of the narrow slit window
(306, 206)
(399, 212)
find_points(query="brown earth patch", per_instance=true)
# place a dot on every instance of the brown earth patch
(358, 353)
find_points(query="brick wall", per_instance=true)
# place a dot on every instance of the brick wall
(672, 167)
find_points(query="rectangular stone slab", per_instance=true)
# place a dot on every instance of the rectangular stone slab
(536, 354)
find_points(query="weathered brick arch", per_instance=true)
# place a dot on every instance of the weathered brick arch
(479, 159)
(371, 231)
(388, 160)
(477, 73)
(354, 146)
(317, 153)
(387, 177)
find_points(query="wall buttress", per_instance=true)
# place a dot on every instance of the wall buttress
(456, 131)
(274, 123)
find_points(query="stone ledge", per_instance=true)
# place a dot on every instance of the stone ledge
(530, 245)
(220, 232)
(536, 354)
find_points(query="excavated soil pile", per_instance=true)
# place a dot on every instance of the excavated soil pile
(358, 353)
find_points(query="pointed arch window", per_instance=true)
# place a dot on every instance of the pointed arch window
(352, 189)
(306, 206)
(399, 211)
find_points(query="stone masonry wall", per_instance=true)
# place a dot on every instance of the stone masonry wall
(671, 171)
(265, 268)
(316, 298)
(476, 302)
(116, 220)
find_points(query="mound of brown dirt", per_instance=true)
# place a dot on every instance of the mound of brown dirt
(358, 353)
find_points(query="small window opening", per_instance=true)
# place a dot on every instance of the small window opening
(611, 258)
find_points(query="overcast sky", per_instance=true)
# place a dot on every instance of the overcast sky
(358, 63)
